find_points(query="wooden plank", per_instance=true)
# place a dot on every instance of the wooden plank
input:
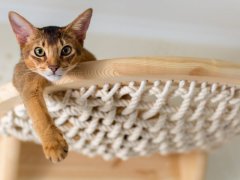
(130, 69)
(178, 68)
(33, 166)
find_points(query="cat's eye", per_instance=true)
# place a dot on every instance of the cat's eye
(39, 52)
(66, 50)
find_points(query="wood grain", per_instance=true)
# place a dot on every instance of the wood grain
(131, 69)
(33, 166)
(178, 68)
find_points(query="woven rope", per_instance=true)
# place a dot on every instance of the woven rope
(138, 118)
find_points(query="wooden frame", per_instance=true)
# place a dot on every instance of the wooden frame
(130, 69)
(189, 166)
(186, 166)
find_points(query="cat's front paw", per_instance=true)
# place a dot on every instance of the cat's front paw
(56, 148)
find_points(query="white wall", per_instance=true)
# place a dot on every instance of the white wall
(213, 22)
(200, 28)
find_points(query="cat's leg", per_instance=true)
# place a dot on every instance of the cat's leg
(54, 145)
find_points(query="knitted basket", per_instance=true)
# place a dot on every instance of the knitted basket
(137, 106)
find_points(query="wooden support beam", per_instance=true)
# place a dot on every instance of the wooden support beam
(192, 165)
(189, 166)
(9, 158)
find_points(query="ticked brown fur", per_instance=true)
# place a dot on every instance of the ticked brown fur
(34, 73)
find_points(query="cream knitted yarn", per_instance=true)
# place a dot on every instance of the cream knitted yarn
(138, 118)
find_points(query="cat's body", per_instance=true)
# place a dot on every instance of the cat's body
(47, 54)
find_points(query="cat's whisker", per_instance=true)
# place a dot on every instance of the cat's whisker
(77, 66)
(28, 71)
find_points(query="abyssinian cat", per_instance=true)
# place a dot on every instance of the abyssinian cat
(47, 54)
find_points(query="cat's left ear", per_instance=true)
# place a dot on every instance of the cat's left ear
(80, 25)
(21, 27)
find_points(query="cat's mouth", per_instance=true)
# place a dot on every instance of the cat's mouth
(53, 77)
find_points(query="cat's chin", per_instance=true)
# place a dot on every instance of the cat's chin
(53, 78)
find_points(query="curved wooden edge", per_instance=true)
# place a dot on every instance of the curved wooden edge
(131, 69)
(9, 97)
(178, 68)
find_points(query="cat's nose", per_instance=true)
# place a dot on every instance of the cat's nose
(54, 68)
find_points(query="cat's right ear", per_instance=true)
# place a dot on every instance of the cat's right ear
(21, 27)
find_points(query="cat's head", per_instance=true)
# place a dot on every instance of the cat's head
(51, 51)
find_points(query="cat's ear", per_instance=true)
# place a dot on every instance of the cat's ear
(80, 25)
(21, 27)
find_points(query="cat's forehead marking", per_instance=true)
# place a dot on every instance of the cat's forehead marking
(52, 34)
(61, 41)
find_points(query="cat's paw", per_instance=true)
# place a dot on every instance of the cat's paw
(56, 148)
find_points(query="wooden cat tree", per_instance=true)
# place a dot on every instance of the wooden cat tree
(171, 110)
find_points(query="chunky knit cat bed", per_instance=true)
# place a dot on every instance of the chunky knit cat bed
(137, 106)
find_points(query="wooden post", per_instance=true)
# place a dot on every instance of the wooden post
(9, 157)
(192, 165)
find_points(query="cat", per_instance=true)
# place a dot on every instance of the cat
(47, 54)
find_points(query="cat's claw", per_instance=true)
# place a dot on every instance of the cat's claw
(56, 150)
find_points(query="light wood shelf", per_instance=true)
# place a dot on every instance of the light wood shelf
(34, 166)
